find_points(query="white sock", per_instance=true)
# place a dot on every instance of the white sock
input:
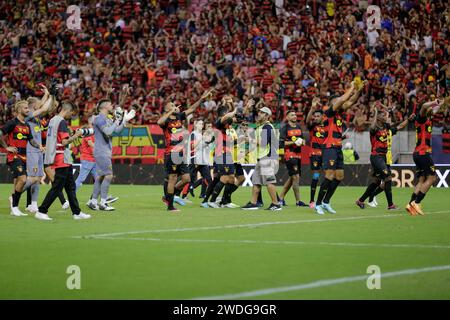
(34, 203)
(103, 202)
(94, 201)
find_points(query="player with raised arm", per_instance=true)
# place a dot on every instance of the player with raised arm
(333, 162)
(104, 128)
(425, 170)
(382, 176)
(317, 133)
(174, 160)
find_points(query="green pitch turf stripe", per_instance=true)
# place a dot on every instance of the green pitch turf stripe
(321, 283)
(287, 242)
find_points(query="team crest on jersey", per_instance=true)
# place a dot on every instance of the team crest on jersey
(294, 138)
(20, 136)
(37, 129)
(429, 129)
(338, 122)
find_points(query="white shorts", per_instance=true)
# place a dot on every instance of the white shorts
(265, 171)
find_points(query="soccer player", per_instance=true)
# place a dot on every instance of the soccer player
(104, 128)
(87, 158)
(19, 134)
(267, 161)
(317, 133)
(425, 170)
(291, 137)
(392, 130)
(224, 149)
(379, 134)
(58, 160)
(175, 163)
(332, 153)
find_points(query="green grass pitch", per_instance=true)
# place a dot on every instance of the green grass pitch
(140, 251)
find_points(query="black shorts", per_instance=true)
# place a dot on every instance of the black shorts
(225, 169)
(424, 165)
(333, 159)
(203, 169)
(316, 162)
(238, 170)
(294, 166)
(18, 168)
(172, 168)
(380, 169)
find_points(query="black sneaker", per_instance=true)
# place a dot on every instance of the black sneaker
(360, 204)
(301, 204)
(260, 204)
(250, 206)
(274, 207)
(173, 209)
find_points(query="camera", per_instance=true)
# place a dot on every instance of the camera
(86, 131)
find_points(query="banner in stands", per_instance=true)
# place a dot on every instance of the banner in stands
(355, 175)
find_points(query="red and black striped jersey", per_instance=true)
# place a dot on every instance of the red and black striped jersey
(424, 128)
(174, 133)
(334, 124)
(291, 133)
(317, 135)
(379, 140)
(18, 134)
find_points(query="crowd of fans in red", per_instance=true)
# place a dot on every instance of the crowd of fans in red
(253, 49)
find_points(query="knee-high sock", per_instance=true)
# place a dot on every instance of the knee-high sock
(16, 198)
(377, 191)
(314, 183)
(369, 191)
(210, 189)
(217, 190)
(333, 186)
(28, 197)
(186, 189)
(419, 197)
(166, 183)
(204, 187)
(324, 186)
(388, 192)
(413, 197)
(229, 189)
(97, 187)
(104, 189)
(197, 183)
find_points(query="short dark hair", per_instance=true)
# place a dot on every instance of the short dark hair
(101, 103)
(68, 105)
(290, 111)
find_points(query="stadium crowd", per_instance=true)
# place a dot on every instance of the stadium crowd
(176, 50)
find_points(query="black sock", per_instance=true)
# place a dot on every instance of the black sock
(16, 198)
(413, 197)
(204, 186)
(314, 183)
(169, 198)
(166, 183)
(420, 197)
(229, 189)
(323, 190)
(197, 183)
(260, 199)
(388, 191)
(210, 189)
(333, 186)
(377, 191)
(28, 196)
(178, 192)
(217, 190)
(369, 191)
(278, 197)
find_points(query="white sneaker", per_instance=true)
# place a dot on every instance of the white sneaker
(375, 200)
(32, 209)
(81, 216)
(186, 200)
(213, 205)
(66, 205)
(15, 211)
(231, 206)
(42, 216)
(105, 207)
(372, 204)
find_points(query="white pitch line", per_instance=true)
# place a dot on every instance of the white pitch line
(320, 284)
(250, 225)
(288, 242)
